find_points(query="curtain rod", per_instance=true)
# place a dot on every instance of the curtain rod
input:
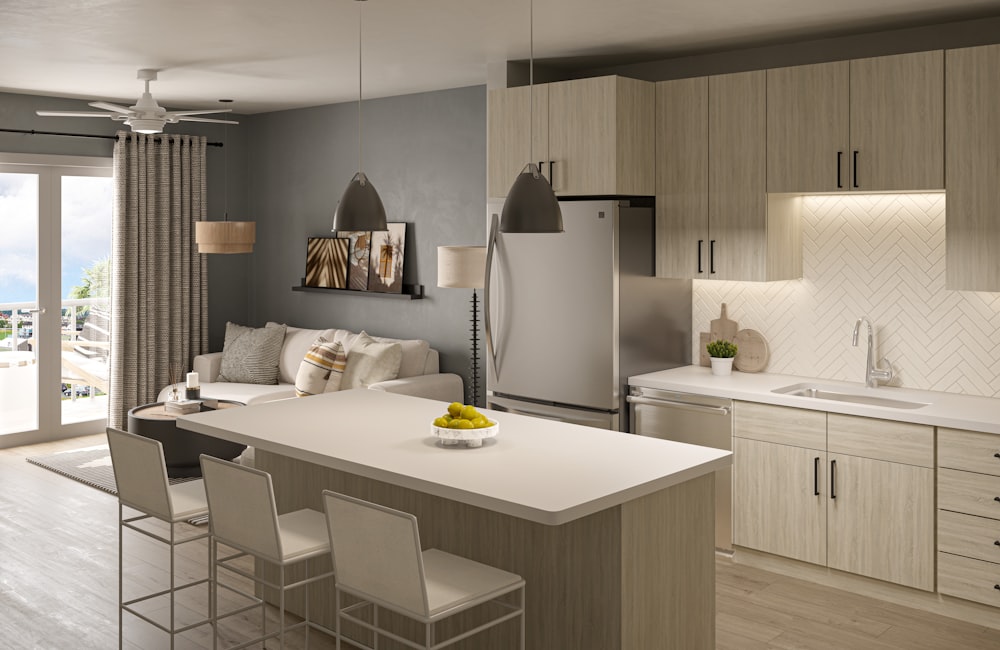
(88, 135)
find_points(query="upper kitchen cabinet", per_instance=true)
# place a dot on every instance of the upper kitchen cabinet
(714, 219)
(972, 233)
(507, 134)
(872, 124)
(592, 136)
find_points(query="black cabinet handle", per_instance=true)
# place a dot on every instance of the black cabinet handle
(702, 241)
(855, 168)
(840, 156)
(551, 178)
(833, 479)
(997, 499)
(996, 455)
(711, 256)
(816, 476)
(996, 586)
(997, 543)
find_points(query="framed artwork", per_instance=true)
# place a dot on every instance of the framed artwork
(326, 262)
(385, 259)
(357, 260)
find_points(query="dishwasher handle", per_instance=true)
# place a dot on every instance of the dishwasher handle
(715, 410)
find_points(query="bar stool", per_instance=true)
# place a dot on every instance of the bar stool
(377, 558)
(244, 517)
(141, 477)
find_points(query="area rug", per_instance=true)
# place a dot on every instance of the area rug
(92, 466)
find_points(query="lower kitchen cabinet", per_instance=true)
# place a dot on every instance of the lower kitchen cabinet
(880, 520)
(778, 506)
(868, 516)
(969, 515)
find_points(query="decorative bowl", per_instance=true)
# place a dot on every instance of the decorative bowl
(468, 437)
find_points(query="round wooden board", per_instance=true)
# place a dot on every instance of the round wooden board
(752, 352)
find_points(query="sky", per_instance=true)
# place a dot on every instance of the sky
(86, 231)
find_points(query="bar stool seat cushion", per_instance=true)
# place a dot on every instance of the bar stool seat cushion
(303, 534)
(188, 499)
(454, 580)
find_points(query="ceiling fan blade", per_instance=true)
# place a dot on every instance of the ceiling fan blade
(71, 114)
(217, 110)
(202, 119)
(111, 107)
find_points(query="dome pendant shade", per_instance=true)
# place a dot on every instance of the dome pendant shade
(531, 205)
(360, 207)
(225, 236)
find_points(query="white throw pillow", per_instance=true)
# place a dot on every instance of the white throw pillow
(322, 366)
(369, 362)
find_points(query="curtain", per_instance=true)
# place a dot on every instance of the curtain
(159, 310)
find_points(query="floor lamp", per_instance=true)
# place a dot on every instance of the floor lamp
(464, 267)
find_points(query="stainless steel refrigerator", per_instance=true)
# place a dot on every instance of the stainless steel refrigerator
(572, 315)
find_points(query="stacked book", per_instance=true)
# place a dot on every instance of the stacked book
(182, 406)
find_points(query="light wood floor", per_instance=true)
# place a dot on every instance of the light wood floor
(59, 584)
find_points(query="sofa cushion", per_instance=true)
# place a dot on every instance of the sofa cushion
(297, 342)
(247, 393)
(321, 369)
(369, 362)
(414, 351)
(250, 355)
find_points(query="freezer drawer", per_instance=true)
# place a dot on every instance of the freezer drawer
(587, 418)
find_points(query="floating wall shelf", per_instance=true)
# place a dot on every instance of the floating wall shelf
(410, 291)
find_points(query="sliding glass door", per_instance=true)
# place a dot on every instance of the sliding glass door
(55, 247)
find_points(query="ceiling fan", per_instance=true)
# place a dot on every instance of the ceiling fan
(146, 116)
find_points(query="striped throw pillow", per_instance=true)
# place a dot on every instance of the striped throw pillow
(321, 368)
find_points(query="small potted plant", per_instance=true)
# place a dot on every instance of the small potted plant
(721, 353)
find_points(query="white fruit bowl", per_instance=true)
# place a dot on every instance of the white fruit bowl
(468, 437)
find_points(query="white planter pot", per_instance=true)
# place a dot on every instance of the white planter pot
(722, 366)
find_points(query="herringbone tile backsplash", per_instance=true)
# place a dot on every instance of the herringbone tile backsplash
(877, 255)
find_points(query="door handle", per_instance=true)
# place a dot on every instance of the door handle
(816, 476)
(552, 179)
(701, 408)
(36, 311)
(711, 256)
(702, 241)
(833, 479)
(854, 169)
(488, 320)
(840, 156)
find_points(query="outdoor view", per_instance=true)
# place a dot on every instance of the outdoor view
(86, 205)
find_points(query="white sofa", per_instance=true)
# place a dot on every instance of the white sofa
(418, 371)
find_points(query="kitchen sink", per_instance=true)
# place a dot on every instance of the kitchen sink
(844, 394)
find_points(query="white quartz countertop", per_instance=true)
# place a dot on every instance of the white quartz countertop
(536, 469)
(943, 409)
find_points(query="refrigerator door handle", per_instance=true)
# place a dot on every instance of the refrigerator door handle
(488, 320)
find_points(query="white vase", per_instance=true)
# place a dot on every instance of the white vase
(722, 366)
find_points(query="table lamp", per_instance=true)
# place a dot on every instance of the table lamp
(464, 267)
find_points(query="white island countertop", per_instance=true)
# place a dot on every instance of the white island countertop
(942, 409)
(540, 470)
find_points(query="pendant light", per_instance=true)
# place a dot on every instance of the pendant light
(360, 207)
(225, 236)
(531, 205)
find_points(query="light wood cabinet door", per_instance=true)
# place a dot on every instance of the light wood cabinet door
(682, 178)
(897, 122)
(737, 159)
(507, 135)
(601, 136)
(808, 121)
(780, 499)
(972, 232)
(881, 520)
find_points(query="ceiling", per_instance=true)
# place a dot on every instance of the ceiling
(268, 55)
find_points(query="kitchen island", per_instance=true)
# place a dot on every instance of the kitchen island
(613, 533)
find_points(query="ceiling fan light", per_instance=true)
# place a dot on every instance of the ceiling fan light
(531, 205)
(145, 126)
(360, 207)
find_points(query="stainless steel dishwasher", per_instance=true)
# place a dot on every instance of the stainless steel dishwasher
(697, 420)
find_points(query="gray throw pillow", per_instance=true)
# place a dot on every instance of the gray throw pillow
(250, 355)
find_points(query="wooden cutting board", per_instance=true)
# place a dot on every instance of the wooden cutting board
(723, 328)
(752, 352)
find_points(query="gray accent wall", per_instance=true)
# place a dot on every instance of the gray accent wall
(425, 154)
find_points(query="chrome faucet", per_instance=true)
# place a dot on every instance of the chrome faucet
(873, 373)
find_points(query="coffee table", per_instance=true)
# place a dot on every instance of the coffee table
(181, 448)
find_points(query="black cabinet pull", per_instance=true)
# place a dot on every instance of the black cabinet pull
(702, 241)
(996, 586)
(996, 455)
(816, 476)
(833, 479)
(840, 156)
(711, 256)
(997, 543)
(997, 499)
(551, 178)
(855, 168)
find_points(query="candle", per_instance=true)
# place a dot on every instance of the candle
(192, 380)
